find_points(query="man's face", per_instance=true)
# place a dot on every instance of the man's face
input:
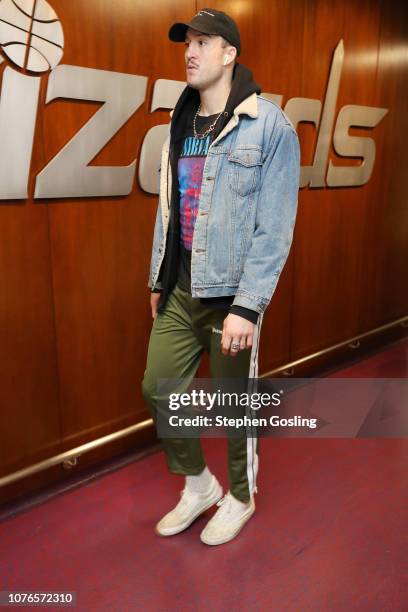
(204, 59)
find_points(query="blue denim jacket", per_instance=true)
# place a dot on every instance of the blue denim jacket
(247, 207)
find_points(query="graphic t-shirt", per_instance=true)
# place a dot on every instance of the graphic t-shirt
(190, 173)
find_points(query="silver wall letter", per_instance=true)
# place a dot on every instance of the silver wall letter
(67, 174)
(318, 172)
(354, 146)
(308, 110)
(18, 111)
(165, 95)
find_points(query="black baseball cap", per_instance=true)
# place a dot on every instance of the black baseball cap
(209, 21)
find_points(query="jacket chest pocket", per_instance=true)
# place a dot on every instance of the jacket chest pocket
(244, 169)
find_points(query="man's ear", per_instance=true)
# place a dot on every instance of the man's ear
(229, 55)
(232, 54)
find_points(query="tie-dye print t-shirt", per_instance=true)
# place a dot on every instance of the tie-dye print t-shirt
(190, 173)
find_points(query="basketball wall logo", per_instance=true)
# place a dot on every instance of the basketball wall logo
(31, 34)
(32, 42)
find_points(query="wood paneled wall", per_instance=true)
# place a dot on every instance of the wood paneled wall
(74, 305)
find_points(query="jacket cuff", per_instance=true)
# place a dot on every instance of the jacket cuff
(245, 313)
(249, 300)
(157, 288)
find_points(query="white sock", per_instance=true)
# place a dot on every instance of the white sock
(238, 505)
(201, 482)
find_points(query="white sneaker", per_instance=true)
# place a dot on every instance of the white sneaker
(190, 506)
(228, 521)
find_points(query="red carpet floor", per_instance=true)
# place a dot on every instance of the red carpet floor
(330, 532)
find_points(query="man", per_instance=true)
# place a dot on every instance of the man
(227, 207)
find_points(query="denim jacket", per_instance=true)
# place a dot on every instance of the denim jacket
(247, 207)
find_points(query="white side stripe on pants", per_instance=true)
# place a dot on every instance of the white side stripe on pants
(252, 455)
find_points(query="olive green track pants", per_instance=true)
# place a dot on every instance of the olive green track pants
(178, 338)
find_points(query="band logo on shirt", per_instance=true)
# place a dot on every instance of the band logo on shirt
(190, 174)
(195, 146)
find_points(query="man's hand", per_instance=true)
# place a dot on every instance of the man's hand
(154, 300)
(236, 330)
